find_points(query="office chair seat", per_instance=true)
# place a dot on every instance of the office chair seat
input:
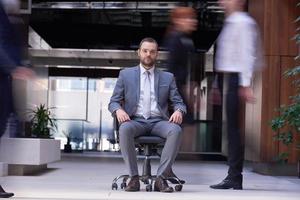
(149, 140)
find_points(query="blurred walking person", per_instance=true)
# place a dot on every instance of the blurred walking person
(178, 41)
(10, 66)
(237, 57)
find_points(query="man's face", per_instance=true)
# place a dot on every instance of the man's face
(187, 25)
(148, 54)
(231, 5)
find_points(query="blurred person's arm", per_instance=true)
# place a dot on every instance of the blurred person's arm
(214, 95)
(23, 73)
(177, 103)
(247, 53)
(7, 65)
(175, 62)
(247, 57)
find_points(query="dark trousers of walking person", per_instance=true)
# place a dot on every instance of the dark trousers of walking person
(6, 106)
(6, 102)
(235, 138)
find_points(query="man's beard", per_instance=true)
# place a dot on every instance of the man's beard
(148, 64)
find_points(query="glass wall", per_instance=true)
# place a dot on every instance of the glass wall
(205, 134)
(80, 107)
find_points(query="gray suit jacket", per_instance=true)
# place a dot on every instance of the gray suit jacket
(127, 92)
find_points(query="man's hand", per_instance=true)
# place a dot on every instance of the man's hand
(23, 73)
(176, 117)
(246, 94)
(214, 97)
(122, 116)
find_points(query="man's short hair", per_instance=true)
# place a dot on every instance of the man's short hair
(183, 12)
(148, 39)
(244, 4)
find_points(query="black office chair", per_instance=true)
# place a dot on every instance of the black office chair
(149, 145)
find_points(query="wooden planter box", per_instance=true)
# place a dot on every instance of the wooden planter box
(277, 169)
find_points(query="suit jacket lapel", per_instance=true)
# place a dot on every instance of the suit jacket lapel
(137, 81)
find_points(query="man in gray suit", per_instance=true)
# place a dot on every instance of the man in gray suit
(140, 102)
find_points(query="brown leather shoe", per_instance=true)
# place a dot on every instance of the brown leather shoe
(133, 185)
(170, 176)
(161, 185)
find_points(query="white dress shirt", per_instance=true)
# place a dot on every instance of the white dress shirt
(154, 109)
(238, 47)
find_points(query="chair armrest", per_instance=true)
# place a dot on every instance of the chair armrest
(114, 138)
(116, 129)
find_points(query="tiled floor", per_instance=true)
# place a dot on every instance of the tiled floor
(85, 178)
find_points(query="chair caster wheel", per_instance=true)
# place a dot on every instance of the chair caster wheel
(178, 188)
(123, 185)
(149, 188)
(114, 186)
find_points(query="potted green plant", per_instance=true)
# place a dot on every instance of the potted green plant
(287, 124)
(41, 122)
(67, 147)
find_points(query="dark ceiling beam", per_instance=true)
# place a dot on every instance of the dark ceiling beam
(88, 58)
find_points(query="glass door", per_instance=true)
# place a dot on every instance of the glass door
(98, 128)
(80, 107)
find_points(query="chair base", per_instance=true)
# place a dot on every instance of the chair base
(149, 145)
(148, 180)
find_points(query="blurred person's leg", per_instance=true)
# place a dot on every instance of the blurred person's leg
(4, 194)
(189, 126)
(4, 102)
(235, 159)
(4, 111)
(235, 143)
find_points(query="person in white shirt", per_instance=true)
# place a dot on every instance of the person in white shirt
(237, 57)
